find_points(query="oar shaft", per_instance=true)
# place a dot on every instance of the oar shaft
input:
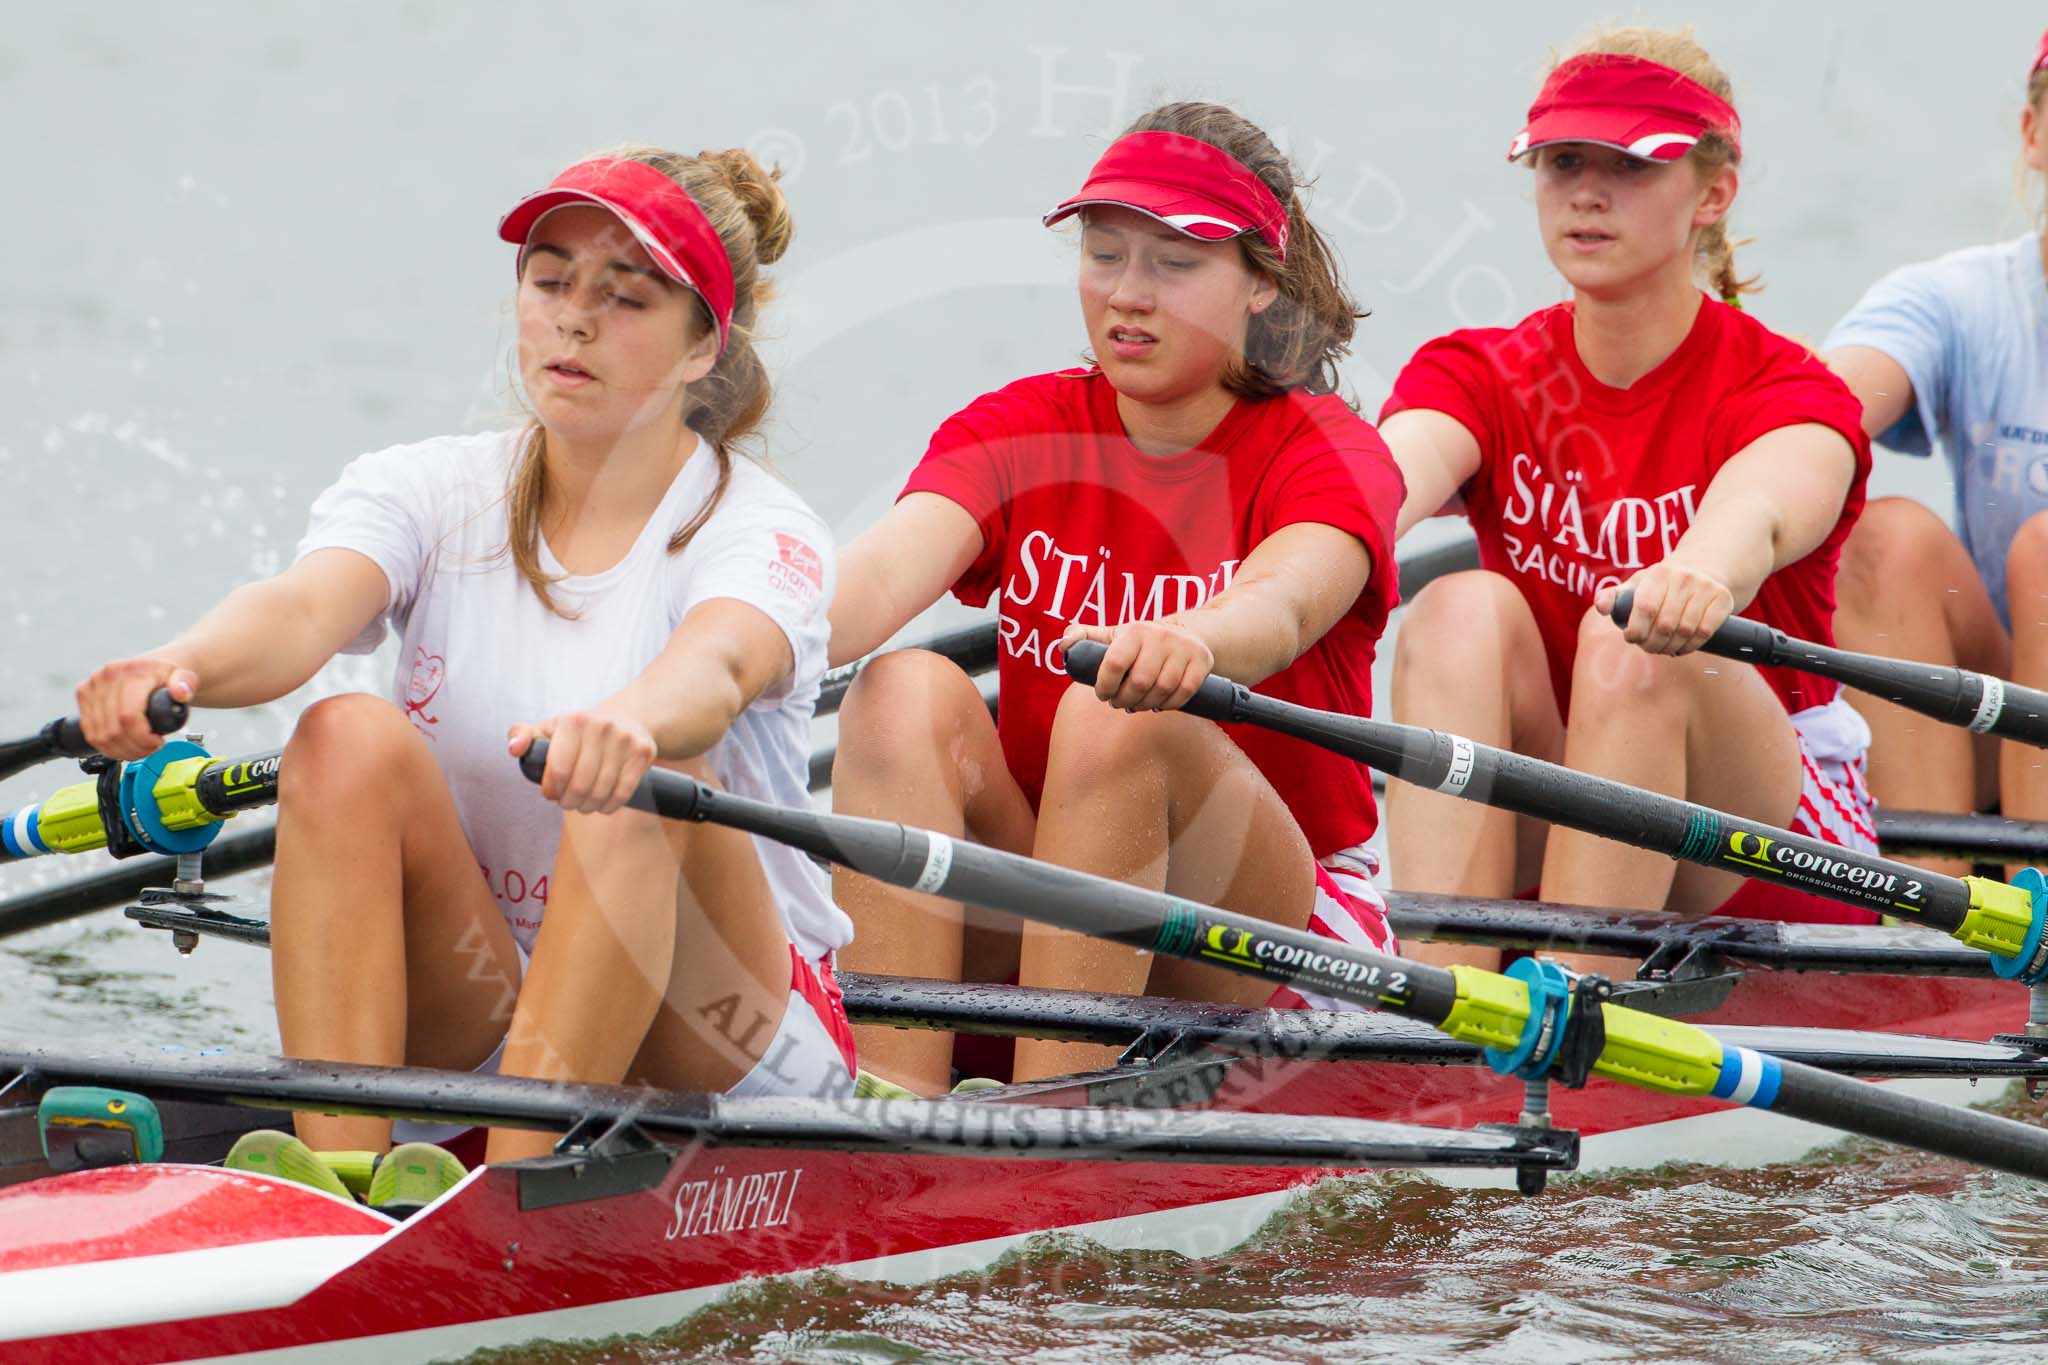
(1473, 1005)
(921, 860)
(1984, 914)
(1983, 703)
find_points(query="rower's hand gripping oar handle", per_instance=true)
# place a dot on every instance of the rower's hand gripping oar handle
(165, 713)
(66, 738)
(1216, 699)
(680, 800)
(1986, 705)
(1738, 638)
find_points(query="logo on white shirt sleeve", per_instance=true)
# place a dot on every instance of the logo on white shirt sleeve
(798, 571)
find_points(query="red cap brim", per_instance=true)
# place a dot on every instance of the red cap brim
(1190, 215)
(518, 225)
(1625, 130)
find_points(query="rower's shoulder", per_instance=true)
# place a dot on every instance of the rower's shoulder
(1065, 390)
(1507, 349)
(1059, 401)
(1987, 263)
(467, 461)
(1325, 419)
(759, 491)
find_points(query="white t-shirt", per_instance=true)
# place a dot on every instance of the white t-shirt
(1970, 329)
(478, 650)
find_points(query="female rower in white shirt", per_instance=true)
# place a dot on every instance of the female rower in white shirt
(610, 578)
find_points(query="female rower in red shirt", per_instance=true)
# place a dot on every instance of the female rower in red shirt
(1640, 435)
(1198, 499)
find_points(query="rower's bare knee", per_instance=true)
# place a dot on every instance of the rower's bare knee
(611, 842)
(2026, 560)
(345, 746)
(1454, 633)
(1612, 678)
(904, 721)
(1898, 542)
(1094, 745)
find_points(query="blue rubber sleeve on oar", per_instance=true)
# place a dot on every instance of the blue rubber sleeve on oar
(2027, 965)
(1748, 1077)
(1550, 1004)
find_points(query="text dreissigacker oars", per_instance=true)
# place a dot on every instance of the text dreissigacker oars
(1530, 1021)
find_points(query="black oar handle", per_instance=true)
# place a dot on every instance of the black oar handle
(1218, 698)
(66, 738)
(1987, 705)
(1738, 638)
(677, 800)
(164, 712)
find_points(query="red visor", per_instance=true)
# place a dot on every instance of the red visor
(1635, 106)
(2040, 57)
(658, 212)
(1185, 183)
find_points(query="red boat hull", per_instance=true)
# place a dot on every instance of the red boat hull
(476, 1270)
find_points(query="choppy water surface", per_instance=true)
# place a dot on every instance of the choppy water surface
(1860, 1255)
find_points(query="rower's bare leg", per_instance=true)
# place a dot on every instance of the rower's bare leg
(1699, 728)
(661, 942)
(386, 946)
(1469, 660)
(917, 744)
(2023, 769)
(1908, 589)
(1162, 800)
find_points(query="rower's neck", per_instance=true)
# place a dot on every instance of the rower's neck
(1621, 338)
(1176, 425)
(599, 493)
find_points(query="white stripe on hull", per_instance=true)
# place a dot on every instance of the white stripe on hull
(97, 1296)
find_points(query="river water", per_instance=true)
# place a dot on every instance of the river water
(250, 243)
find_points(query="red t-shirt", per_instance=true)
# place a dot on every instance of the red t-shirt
(1080, 525)
(1581, 485)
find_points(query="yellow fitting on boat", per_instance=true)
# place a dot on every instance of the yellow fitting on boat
(1655, 1053)
(69, 821)
(1491, 1011)
(177, 794)
(2000, 917)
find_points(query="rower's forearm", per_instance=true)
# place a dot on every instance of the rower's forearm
(864, 614)
(687, 709)
(254, 646)
(1252, 631)
(1736, 543)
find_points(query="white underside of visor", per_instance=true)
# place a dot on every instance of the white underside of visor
(1179, 222)
(1643, 148)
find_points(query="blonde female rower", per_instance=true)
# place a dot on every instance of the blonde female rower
(1643, 435)
(611, 578)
